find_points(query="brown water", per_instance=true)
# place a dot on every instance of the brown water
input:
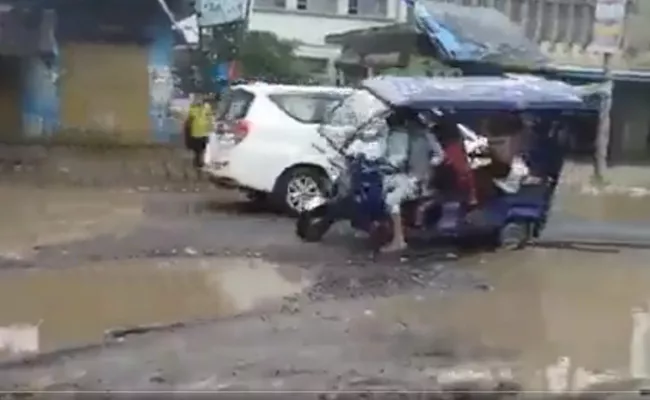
(545, 304)
(605, 208)
(76, 305)
(32, 217)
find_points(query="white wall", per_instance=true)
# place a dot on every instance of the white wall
(311, 28)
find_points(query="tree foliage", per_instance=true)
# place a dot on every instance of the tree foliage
(263, 54)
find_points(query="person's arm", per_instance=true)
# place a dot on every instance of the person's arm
(437, 152)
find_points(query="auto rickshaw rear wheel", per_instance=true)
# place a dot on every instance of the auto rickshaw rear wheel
(515, 235)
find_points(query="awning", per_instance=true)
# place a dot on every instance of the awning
(452, 34)
(27, 32)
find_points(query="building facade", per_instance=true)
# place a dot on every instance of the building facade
(308, 22)
(563, 31)
(109, 74)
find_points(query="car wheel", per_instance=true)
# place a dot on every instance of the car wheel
(298, 185)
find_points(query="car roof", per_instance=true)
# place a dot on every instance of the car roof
(266, 89)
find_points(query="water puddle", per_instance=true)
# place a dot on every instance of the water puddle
(36, 217)
(604, 208)
(74, 306)
(549, 308)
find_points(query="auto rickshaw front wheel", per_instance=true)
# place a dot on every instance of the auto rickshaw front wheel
(312, 225)
(515, 235)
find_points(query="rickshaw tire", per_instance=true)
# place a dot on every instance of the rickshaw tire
(311, 232)
(514, 235)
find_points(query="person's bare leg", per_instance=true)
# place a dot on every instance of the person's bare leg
(398, 243)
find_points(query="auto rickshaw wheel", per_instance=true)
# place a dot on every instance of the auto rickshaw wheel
(311, 226)
(515, 235)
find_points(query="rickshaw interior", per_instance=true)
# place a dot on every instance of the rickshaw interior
(512, 133)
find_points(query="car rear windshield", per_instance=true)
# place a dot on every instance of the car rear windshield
(306, 107)
(234, 105)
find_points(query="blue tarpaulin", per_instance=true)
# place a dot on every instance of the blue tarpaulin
(474, 34)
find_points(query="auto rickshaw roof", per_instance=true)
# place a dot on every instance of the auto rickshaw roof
(479, 93)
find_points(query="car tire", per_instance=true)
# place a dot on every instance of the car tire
(515, 235)
(297, 185)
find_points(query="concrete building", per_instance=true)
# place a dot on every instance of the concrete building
(108, 71)
(309, 21)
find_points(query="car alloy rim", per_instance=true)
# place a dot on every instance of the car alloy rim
(300, 190)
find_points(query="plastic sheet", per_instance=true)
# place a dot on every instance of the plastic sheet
(481, 93)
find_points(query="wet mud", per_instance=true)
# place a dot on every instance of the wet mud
(78, 264)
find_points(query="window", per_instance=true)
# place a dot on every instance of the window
(353, 7)
(369, 8)
(270, 4)
(301, 4)
(356, 109)
(314, 65)
(307, 108)
(234, 105)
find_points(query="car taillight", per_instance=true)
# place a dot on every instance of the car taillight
(240, 129)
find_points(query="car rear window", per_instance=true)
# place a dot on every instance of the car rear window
(234, 105)
(306, 107)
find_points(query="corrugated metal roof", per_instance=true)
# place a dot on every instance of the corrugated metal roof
(481, 34)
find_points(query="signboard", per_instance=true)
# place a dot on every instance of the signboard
(609, 26)
(189, 28)
(219, 12)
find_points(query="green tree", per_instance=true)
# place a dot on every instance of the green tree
(263, 54)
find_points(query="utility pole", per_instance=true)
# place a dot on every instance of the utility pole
(241, 34)
(604, 122)
(226, 22)
(608, 32)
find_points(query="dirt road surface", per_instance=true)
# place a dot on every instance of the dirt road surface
(281, 315)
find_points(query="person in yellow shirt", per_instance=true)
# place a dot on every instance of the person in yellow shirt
(199, 124)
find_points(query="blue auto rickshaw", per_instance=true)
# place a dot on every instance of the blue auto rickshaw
(508, 219)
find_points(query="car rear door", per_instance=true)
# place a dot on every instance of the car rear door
(230, 125)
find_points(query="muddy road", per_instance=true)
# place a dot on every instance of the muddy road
(76, 264)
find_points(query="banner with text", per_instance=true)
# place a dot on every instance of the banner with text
(219, 12)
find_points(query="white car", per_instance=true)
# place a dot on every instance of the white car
(264, 142)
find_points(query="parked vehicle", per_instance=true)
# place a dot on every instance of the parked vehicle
(510, 216)
(263, 144)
